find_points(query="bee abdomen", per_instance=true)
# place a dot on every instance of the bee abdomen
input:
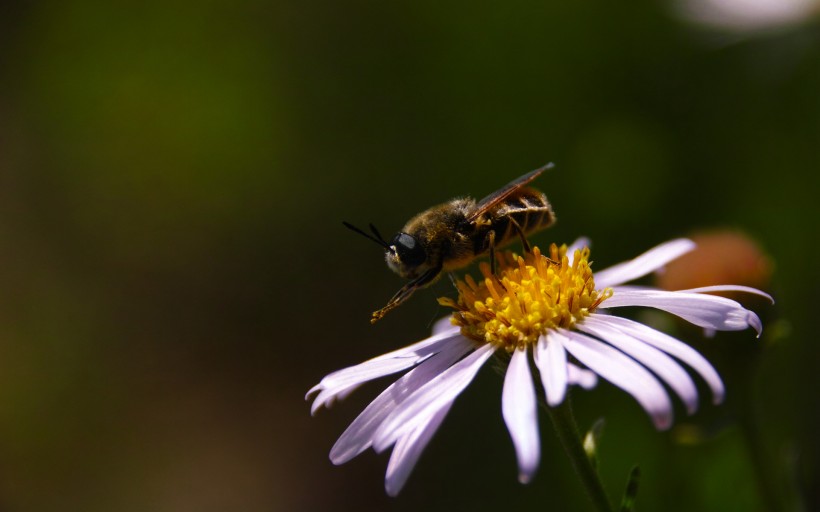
(529, 209)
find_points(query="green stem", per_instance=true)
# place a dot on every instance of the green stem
(771, 484)
(567, 429)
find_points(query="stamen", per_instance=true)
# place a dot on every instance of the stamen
(526, 297)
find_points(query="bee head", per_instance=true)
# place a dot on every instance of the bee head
(405, 256)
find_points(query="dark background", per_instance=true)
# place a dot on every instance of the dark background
(174, 275)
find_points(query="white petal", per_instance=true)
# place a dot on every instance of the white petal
(730, 288)
(359, 435)
(673, 347)
(581, 377)
(624, 373)
(642, 265)
(520, 412)
(576, 245)
(430, 398)
(661, 364)
(408, 450)
(707, 311)
(551, 360)
(340, 383)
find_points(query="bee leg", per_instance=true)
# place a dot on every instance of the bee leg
(493, 260)
(521, 235)
(405, 292)
(453, 279)
(491, 250)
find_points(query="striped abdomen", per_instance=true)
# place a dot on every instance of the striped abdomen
(528, 208)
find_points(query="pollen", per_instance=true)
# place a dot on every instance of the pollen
(527, 296)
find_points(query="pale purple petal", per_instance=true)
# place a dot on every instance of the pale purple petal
(359, 435)
(730, 288)
(551, 360)
(707, 311)
(661, 364)
(623, 372)
(581, 377)
(430, 398)
(519, 408)
(642, 265)
(443, 325)
(340, 383)
(671, 346)
(408, 450)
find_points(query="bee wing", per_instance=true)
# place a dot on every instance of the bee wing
(499, 195)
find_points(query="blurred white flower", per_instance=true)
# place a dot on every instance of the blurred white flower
(747, 15)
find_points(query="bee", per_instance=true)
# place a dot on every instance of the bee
(453, 234)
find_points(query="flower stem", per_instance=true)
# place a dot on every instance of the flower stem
(567, 428)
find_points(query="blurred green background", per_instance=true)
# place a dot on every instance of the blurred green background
(174, 275)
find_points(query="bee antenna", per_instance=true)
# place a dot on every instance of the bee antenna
(378, 238)
(378, 235)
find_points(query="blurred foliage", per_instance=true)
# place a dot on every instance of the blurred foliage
(175, 276)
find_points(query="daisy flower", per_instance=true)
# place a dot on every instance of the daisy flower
(555, 309)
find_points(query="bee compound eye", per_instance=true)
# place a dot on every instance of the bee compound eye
(409, 250)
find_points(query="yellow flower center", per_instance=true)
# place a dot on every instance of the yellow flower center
(528, 296)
